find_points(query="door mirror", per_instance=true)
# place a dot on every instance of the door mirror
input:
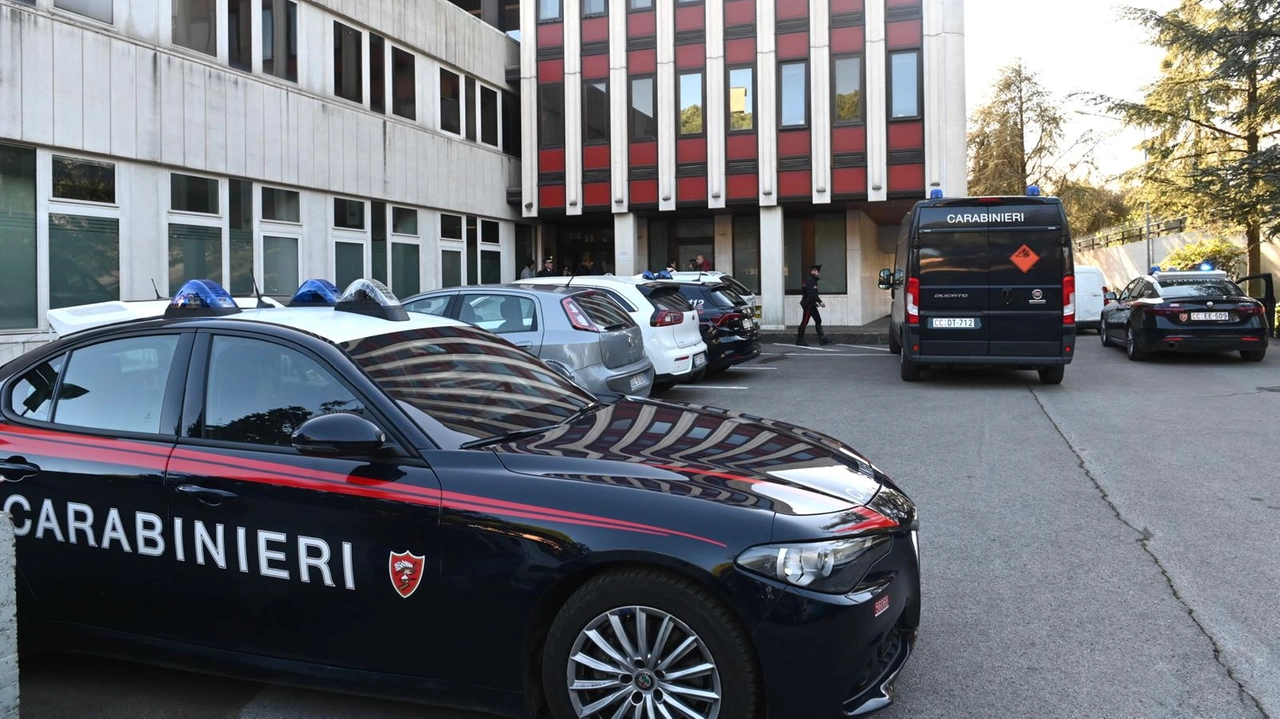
(339, 434)
(886, 280)
(1109, 298)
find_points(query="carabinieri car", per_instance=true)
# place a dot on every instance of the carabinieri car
(338, 494)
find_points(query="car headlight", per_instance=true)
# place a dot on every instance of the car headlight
(834, 567)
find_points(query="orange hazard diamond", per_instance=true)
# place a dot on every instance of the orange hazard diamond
(1025, 258)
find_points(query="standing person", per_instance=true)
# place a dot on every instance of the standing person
(810, 301)
(703, 263)
(548, 268)
(528, 271)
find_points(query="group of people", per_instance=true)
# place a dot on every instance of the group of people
(588, 267)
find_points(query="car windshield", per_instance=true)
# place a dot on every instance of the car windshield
(468, 380)
(724, 296)
(1185, 289)
(667, 298)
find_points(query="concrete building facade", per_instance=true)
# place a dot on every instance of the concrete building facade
(250, 141)
(765, 135)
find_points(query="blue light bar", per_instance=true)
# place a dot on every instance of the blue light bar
(935, 193)
(1206, 266)
(1033, 191)
(201, 298)
(372, 298)
(315, 293)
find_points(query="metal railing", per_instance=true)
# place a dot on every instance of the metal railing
(1135, 233)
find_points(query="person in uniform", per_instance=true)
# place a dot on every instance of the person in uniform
(548, 268)
(810, 302)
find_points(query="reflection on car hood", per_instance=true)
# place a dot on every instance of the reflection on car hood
(702, 452)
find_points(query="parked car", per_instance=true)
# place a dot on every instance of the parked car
(732, 336)
(1091, 289)
(1197, 311)
(580, 329)
(714, 276)
(672, 339)
(356, 498)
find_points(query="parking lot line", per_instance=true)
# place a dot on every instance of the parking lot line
(809, 354)
(716, 386)
(815, 349)
(761, 369)
(864, 347)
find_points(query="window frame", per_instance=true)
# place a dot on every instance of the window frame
(70, 201)
(563, 134)
(632, 8)
(728, 99)
(481, 89)
(559, 16)
(701, 72)
(653, 96)
(219, 17)
(919, 80)
(363, 71)
(602, 13)
(219, 182)
(807, 99)
(53, 5)
(261, 197)
(608, 115)
(862, 89)
(256, 31)
(462, 100)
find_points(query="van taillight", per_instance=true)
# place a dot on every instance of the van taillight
(1069, 300)
(666, 318)
(913, 300)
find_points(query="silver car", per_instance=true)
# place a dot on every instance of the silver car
(581, 329)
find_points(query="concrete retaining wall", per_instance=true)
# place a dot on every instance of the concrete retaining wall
(8, 623)
(1122, 263)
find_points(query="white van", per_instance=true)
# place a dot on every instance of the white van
(1091, 285)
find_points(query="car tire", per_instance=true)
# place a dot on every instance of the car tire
(616, 600)
(1102, 332)
(895, 344)
(662, 386)
(1131, 347)
(910, 370)
(1052, 374)
(1253, 355)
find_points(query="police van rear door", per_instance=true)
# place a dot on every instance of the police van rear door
(1029, 259)
(953, 274)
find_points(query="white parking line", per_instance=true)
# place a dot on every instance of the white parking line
(864, 347)
(807, 354)
(758, 369)
(714, 386)
(815, 349)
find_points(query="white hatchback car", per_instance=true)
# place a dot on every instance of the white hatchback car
(672, 338)
(712, 275)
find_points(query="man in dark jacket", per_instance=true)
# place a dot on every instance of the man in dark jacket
(548, 268)
(810, 302)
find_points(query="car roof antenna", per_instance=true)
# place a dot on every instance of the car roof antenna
(258, 293)
(571, 277)
(157, 289)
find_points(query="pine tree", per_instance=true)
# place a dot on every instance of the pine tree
(1016, 135)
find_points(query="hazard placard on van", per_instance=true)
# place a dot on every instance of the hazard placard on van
(1025, 258)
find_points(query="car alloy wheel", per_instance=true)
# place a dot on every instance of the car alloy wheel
(1102, 332)
(1131, 345)
(642, 662)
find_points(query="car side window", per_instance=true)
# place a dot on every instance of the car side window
(1128, 290)
(499, 313)
(117, 385)
(260, 392)
(436, 305)
(618, 298)
(32, 395)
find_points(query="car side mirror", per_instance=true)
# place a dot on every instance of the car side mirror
(339, 434)
(886, 280)
(1109, 298)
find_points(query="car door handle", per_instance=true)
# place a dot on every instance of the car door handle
(524, 345)
(208, 495)
(16, 469)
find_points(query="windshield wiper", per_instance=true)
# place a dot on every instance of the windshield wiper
(530, 431)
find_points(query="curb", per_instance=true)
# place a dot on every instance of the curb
(844, 338)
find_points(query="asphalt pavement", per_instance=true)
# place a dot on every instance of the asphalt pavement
(1102, 548)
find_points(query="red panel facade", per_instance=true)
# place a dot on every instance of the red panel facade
(742, 146)
(794, 143)
(742, 187)
(740, 12)
(550, 71)
(691, 150)
(641, 24)
(797, 183)
(691, 189)
(551, 196)
(691, 56)
(791, 9)
(595, 29)
(843, 6)
(906, 178)
(642, 62)
(906, 135)
(849, 139)
(595, 157)
(644, 154)
(690, 17)
(904, 34)
(551, 35)
(644, 192)
(849, 181)
(595, 193)
(551, 160)
(740, 51)
(595, 67)
(848, 39)
(793, 46)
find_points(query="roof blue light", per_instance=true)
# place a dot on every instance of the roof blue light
(372, 298)
(1033, 191)
(935, 193)
(315, 293)
(1206, 266)
(201, 298)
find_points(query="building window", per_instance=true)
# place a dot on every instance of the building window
(405, 269)
(84, 180)
(551, 115)
(239, 32)
(548, 10)
(84, 260)
(510, 124)
(195, 253)
(640, 4)
(281, 205)
(377, 74)
(592, 8)
(18, 238)
(904, 84)
(742, 99)
(450, 102)
(815, 240)
(348, 214)
(848, 87)
(404, 85)
(195, 25)
(793, 78)
(240, 235)
(595, 111)
(644, 123)
(96, 9)
(450, 227)
(489, 116)
(280, 265)
(690, 120)
(188, 193)
(348, 63)
(469, 107)
(450, 268)
(489, 231)
(473, 250)
(378, 214)
(746, 251)
(280, 39)
(404, 221)
(491, 267)
(348, 263)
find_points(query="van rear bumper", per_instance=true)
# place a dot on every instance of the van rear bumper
(987, 360)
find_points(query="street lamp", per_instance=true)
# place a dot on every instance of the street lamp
(1146, 205)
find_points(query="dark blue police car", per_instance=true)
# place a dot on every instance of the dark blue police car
(343, 495)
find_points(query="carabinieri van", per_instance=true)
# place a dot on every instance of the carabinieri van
(983, 281)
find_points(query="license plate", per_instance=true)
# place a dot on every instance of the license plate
(699, 359)
(638, 381)
(953, 323)
(1209, 316)
(747, 323)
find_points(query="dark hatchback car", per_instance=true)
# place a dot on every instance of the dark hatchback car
(1196, 311)
(732, 336)
(363, 499)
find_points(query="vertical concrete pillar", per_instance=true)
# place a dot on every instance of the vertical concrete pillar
(619, 108)
(877, 103)
(724, 243)
(773, 294)
(626, 245)
(820, 92)
(945, 143)
(666, 33)
(854, 263)
(715, 108)
(528, 110)
(767, 101)
(572, 107)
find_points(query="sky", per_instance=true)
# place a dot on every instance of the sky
(1073, 46)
